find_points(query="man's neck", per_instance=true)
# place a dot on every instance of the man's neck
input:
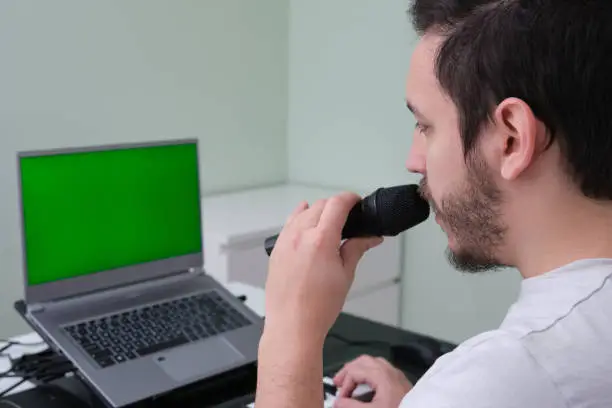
(558, 235)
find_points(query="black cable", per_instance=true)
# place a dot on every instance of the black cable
(42, 369)
(7, 403)
(36, 366)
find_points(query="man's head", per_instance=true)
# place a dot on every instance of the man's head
(512, 101)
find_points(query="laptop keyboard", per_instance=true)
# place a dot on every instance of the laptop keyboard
(139, 332)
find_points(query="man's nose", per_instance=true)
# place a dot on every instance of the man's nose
(415, 163)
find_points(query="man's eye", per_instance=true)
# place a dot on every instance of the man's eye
(421, 128)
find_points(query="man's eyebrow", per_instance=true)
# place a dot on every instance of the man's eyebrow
(413, 109)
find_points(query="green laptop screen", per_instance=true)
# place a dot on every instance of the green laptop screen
(94, 211)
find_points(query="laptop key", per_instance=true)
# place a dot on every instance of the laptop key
(154, 348)
(139, 332)
(102, 354)
(105, 362)
(92, 348)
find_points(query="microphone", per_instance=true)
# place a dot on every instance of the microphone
(385, 212)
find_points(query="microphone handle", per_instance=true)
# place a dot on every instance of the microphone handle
(361, 221)
(269, 243)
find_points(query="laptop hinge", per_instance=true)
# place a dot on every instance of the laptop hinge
(185, 273)
(181, 274)
(35, 308)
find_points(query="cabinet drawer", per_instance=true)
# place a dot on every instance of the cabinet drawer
(379, 265)
(247, 262)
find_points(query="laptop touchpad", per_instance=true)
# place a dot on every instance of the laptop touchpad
(198, 359)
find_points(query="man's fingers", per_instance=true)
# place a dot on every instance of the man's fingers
(353, 249)
(310, 217)
(365, 361)
(362, 374)
(347, 387)
(339, 377)
(335, 213)
(301, 207)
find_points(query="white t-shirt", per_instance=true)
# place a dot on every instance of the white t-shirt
(553, 349)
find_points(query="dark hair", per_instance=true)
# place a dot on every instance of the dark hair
(556, 55)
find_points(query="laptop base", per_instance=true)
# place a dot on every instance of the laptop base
(66, 389)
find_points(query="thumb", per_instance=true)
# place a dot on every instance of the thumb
(349, 403)
(353, 249)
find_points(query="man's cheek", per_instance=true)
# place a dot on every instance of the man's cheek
(436, 179)
(444, 165)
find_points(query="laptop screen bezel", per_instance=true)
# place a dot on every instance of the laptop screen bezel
(118, 277)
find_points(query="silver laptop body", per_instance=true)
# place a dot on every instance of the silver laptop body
(141, 330)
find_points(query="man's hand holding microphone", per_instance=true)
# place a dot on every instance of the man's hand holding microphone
(310, 273)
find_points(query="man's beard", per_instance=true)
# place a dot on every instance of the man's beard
(472, 214)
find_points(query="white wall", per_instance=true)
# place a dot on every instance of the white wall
(79, 73)
(348, 127)
(348, 124)
(95, 72)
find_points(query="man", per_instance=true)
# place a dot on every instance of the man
(513, 101)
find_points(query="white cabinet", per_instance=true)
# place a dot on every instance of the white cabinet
(381, 305)
(236, 224)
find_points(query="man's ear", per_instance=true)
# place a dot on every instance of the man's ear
(523, 137)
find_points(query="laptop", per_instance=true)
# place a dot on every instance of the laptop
(113, 269)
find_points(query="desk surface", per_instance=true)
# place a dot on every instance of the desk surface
(364, 337)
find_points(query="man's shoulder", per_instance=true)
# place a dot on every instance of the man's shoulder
(496, 345)
(552, 350)
(491, 369)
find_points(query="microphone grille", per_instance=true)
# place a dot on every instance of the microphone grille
(400, 208)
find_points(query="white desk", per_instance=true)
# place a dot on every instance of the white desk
(255, 301)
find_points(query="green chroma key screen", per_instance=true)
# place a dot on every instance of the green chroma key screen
(94, 211)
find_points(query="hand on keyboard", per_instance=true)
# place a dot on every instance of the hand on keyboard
(389, 383)
(362, 393)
